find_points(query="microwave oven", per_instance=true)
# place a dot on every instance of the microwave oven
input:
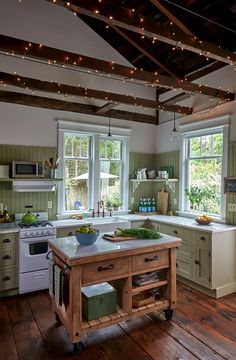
(27, 169)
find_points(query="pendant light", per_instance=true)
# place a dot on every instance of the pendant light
(175, 134)
(109, 124)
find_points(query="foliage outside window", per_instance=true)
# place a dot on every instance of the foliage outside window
(203, 172)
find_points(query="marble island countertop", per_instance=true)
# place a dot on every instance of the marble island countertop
(71, 249)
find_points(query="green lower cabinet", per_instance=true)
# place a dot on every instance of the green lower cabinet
(201, 265)
(98, 300)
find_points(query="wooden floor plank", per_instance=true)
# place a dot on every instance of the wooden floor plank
(218, 322)
(7, 342)
(118, 345)
(157, 343)
(222, 345)
(192, 344)
(29, 343)
(202, 328)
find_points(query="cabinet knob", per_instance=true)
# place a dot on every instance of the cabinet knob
(6, 241)
(70, 233)
(102, 268)
(197, 262)
(203, 238)
(175, 232)
(6, 257)
(6, 278)
(151, 259)
(177, 265)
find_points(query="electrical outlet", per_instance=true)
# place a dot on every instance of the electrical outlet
(175, 201)
(132, 200)
(232, 207)
(49, 204)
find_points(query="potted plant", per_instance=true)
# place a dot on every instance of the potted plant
(116, 203)
(109, 204)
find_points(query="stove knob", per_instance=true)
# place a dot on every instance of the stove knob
(42, 232)
(37, 233)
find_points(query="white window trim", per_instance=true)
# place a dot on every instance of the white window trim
(198, 127)
(96, 130)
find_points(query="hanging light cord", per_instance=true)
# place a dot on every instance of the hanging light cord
(109, 123)
(201, 16)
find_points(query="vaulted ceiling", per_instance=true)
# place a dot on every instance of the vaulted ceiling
(169, 44)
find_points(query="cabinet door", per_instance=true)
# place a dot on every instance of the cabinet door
(201, 265)
(138, 224)
(68, 231)
(154, 225)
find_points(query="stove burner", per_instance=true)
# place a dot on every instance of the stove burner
(37, 224)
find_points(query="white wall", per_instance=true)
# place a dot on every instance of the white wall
(42, 22)
(225, 79)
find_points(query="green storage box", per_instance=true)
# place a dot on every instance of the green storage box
(98, 300)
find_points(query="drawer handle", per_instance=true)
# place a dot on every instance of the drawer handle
(6, 241)
(177, 265)
(110, 267)
(70, 233)
(154, 258)
(6, 257)
(202, 238)
(175, 232)
(6, 278)
(197, 262)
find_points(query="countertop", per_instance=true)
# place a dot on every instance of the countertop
(89, 221)
(6, 228)
(182, 221)
(70, 248)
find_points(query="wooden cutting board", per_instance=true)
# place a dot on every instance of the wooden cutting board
(119, 238)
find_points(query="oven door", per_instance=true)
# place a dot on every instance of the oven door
(33, 253)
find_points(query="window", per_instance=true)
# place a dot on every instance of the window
(93, 169)
(203, 170)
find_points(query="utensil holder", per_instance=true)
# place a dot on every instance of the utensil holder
(53, 173)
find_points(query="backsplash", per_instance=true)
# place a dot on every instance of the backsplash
(16, 201)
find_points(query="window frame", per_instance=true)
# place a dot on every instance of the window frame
(221, 125)
(94, 163)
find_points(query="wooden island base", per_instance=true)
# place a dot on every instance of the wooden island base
(117, 266)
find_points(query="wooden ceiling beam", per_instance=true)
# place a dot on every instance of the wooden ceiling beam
(146, 51)
(106, 108)
(26, 49)
(52, 87)
(54, 104)
(164, 9)
(130, 20)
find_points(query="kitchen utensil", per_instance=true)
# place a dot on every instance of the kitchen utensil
(169, 170)
(162, 201)
(138, 173)
(144, 173)
(29, 218)
(86, 238)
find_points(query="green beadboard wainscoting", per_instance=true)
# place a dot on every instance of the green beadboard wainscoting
(16, 201)
(147, 189)
(231, 171)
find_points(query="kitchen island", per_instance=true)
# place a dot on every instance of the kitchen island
(116, 263)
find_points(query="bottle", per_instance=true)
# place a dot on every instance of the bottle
(149, 208)
(153, 205)
(5, 215)
(144, 208)
(140, 207)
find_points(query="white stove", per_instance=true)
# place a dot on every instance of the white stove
(33, 248)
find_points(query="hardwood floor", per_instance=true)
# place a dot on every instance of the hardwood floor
(202, 328)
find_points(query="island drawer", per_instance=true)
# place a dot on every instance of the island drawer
(102, 270)
(150, 260)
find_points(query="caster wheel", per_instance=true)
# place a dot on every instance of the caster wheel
(78, 347)
(58, 320)
(168, 314)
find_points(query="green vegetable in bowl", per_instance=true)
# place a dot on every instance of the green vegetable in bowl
(140, 233)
